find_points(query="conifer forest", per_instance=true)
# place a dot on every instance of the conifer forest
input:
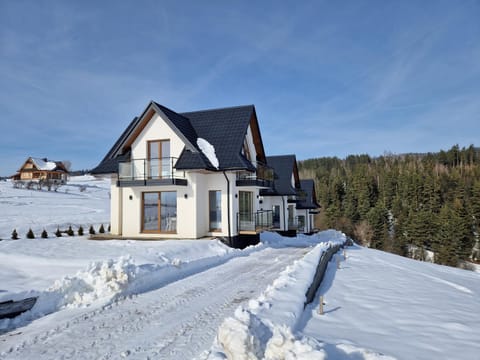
(416, 205)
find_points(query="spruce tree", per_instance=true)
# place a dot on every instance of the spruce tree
(91, 230)
(14, 234)
(30, 234)
(58, 233)
(101, 230)
(80, 231)
(44, 234)
(70, 231)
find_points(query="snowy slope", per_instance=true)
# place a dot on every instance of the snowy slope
(84, 200)
(398, 306)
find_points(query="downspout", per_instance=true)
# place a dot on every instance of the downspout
(285, 225)
(228, 212)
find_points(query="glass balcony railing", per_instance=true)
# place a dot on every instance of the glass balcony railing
(254, 222)
(148, 169)
(263, 174)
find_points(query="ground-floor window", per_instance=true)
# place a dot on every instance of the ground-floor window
(215, 210)
(159, 212)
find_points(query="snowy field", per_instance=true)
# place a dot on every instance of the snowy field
(200, 299)
(84, 201)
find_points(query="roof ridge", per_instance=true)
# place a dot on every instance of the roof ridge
(216, 109)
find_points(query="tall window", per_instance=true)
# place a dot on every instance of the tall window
(160, 212)
(215, 210)
(245, 205)
(276, 216)
(159, 162)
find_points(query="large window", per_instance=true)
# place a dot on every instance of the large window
(159, 159)
(160, 212)
(215, 210)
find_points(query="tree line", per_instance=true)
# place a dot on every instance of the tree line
(411, 204)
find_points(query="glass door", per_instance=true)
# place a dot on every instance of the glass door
(246, 210)
(215, 210)
(159, 159)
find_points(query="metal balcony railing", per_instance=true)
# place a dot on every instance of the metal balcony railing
(254, 222)
(148, 169)
(264, 175)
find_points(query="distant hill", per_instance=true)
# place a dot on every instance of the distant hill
(406, 203)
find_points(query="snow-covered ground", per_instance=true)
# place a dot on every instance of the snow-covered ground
(200, 299)
(84, 201)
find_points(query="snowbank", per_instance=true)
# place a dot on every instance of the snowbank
(263, 329)
(103, 282)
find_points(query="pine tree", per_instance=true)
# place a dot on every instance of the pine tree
(58, 233)
(80, 231)
(14, 234)
(30, 234)
(70, 231)
(44, 234)
(102, 229)
(91, 230)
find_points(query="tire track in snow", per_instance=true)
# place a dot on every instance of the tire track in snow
(178, 321)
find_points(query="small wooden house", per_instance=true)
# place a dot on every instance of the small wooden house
(37, 169)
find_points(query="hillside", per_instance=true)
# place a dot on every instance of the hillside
(405, 204)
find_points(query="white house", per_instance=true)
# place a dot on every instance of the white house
(191, 175)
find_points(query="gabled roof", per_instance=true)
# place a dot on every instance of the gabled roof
(285, 166)
(44, 164)
(309, 201)
(224, 128)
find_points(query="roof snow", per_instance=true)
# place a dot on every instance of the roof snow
(44, 164)
(209, 151)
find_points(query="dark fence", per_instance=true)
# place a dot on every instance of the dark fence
(320, 273)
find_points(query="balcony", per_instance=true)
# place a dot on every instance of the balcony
(262, 177)
(253, 223)
(150, 172)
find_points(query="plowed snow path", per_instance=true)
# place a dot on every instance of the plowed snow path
(178, 321)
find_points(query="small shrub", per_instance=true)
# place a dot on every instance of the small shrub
(70, 231)
(80, 231)
(101, 230)
(91, 231)
(14, 234)
(44, 234)
(58, 233)
(30, 234)
(108, 229)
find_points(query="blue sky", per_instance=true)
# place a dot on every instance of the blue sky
(328, 78)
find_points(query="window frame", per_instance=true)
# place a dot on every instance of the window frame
(159, 213)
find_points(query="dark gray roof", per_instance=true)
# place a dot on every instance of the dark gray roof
(284, 167)
(308, 201)
(224, 128)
